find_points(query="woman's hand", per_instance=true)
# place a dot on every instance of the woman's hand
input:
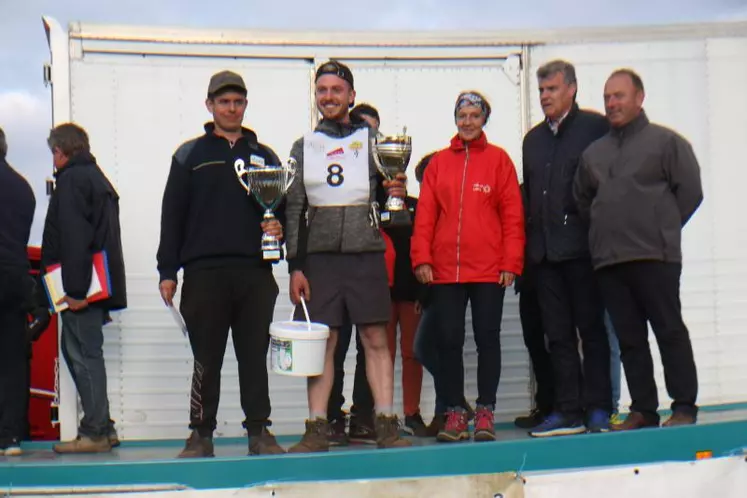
(424, 274)
(506, 278)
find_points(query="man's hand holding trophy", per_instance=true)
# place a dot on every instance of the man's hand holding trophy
(268, 184)
(392, 155)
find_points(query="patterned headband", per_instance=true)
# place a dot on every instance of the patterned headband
(469, 99)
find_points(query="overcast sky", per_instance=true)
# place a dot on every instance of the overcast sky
(25, 110)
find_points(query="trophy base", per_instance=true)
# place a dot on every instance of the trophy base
(271, 255)
(396, 218)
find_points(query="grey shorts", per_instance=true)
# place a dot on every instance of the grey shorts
(347, 285)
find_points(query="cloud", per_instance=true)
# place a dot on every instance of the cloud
(26, 120)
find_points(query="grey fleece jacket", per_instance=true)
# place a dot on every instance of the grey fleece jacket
(340, 229)
(637, 186)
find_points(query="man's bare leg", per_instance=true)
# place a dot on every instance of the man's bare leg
(380, 373)
(319, 388)
(379, 367)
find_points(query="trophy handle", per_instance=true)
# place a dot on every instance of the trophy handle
(239, 167)
(380, 167)
(291, 170)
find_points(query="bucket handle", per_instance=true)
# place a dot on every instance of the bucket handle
(305, 312)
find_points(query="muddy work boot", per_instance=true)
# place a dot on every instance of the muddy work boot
(387, 433)
(315, 439)
(264, 443)
(197, 446)
(84, 444)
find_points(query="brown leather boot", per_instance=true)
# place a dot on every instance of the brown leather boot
(634, 420)
(387, 433)
(315, 439)
(197, 447)
(264, 443)
(679, 418)
(84, 444)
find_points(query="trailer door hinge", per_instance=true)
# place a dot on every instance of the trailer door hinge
(47, 74)
(512, 68)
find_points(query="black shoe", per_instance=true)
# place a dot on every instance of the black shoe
(10, 447)
(415, 426)
(535, 418)
(362, 430)
(436, 425)
(337, 434)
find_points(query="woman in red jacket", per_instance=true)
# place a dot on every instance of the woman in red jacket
(468, 243)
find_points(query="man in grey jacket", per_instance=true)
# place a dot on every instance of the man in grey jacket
(638, 186)
(336, 251)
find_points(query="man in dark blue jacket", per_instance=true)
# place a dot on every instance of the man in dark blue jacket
(212, 230)
(82, 220)
(557, 243)
(17, 204)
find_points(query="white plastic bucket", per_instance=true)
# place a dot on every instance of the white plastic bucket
(298, 348)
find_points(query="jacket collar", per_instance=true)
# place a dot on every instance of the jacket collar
(565, 121)
(83, 159)
(457, 144)
(337, 129)
(246, 133)
(630, 129)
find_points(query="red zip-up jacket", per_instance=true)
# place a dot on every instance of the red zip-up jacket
(470, 221)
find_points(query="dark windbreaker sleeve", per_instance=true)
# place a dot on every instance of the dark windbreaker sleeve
(174, 210)
(76, 234)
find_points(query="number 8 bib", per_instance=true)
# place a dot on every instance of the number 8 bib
(335, 170)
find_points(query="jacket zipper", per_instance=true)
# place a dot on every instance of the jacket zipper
(461, 209)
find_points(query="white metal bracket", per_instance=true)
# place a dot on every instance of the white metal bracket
(512, 68)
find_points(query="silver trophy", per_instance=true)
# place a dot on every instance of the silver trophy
(268, 185)
(392, 155)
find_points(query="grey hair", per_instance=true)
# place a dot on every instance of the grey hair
(3, 145)
(558, 66)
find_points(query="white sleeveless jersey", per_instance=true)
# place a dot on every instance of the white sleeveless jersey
(335, 170)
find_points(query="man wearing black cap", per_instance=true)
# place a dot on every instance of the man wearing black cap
(337, 260)
(212, 229)
(362, 410)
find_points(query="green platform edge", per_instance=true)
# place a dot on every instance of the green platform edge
(525, 455)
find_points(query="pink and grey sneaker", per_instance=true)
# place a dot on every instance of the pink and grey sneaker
(484, 424)
(456, 427)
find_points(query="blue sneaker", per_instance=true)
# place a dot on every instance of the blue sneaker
(558, 424)
(599, 421)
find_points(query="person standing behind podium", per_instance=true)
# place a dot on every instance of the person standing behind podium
(83, 219)
(212, 229)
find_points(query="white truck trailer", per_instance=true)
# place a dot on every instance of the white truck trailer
(140, 92)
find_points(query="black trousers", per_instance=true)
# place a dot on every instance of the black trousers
(214, 300)
(569, 300)
(534, 340)
(363, 402)
(450, 304)
(14, 356)
(649, 291)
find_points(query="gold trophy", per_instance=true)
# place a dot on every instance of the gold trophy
(392, 155)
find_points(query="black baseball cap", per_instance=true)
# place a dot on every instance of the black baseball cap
(338, 69)
(224, 80)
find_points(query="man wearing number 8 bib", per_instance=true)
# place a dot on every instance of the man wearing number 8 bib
(336, 251)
